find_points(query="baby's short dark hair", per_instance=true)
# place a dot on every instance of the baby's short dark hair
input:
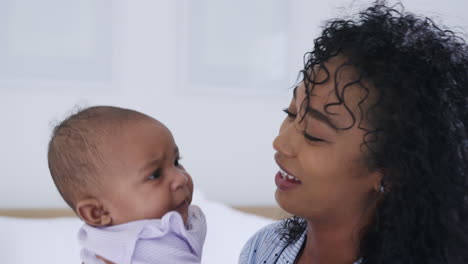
(74, 154)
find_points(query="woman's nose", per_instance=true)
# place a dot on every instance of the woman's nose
(180, 179)
(287, 140)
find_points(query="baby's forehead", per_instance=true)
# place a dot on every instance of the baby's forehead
(109, 125)
(138, 125)
(100, 135)
(135, 133)
(135, 144)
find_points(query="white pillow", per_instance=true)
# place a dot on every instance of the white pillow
(39, 240)
(53, 241)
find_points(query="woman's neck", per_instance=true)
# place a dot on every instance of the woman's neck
(334, 242)
(326, 246)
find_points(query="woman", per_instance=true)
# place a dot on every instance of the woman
(373, 151)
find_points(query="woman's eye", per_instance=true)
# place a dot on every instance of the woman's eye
(289, 113)
(157, 174)
(311, 138)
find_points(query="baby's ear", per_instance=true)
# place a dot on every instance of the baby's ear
(93, 212)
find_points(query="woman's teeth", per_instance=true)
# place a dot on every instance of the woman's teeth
(286, 176)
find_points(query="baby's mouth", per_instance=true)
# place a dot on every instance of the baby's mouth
(183, 205)
(182, 209)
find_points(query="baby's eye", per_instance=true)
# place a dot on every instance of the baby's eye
(176, 161)
(155, 175)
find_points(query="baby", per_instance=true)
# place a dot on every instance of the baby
(119, 170)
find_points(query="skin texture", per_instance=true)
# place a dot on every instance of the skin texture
(338, 192)
(141, 177)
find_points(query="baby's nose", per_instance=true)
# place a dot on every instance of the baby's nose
(180, 180)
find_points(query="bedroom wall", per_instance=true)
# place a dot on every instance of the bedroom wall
(225, 138)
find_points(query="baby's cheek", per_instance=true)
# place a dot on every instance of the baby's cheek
(157, 205)
(191, 185)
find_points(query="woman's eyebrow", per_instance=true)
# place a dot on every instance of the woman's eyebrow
(314, 113)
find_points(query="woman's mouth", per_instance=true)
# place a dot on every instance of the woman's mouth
(285, 181)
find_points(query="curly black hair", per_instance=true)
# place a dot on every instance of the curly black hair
(419, 131)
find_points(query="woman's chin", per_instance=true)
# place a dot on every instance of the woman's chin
(292, 206)
(284, 202)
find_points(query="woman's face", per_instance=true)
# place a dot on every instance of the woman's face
(323, 171)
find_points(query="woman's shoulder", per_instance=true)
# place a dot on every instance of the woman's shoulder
(267, 237)
(267, 245)
(271, 232)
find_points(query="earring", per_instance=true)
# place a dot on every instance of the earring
(381, 188)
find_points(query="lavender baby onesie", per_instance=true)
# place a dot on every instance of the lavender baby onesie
(166, 240)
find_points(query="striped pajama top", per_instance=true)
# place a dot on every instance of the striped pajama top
(266, 247)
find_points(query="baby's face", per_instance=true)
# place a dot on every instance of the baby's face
(142, 177)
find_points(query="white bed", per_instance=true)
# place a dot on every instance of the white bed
(53, 240)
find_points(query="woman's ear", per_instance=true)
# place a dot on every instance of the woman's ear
(93, 212)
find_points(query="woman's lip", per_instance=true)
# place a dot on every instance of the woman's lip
(283, 169)
(285, 184)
